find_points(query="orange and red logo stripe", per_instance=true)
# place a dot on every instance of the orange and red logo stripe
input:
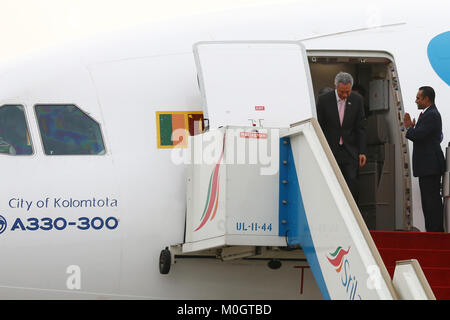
(212, 200)
(337, 258)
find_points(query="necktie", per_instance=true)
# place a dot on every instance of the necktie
(341, 116)
(419, 116)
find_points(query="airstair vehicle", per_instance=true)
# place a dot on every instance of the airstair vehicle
(262, 182)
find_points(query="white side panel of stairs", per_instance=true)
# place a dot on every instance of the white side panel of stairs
(349, 262)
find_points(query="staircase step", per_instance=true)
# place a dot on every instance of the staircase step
(431, 249)
(441, 293)
(409, 240)
(426, 258)
(437, 276)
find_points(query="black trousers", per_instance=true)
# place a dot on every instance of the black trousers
(432, 207)
(349, 168)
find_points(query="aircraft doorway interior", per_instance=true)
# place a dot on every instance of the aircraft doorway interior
(384, 182)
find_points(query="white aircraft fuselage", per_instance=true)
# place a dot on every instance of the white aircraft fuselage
(93, 226)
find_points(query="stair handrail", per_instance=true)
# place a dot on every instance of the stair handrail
(404, 282)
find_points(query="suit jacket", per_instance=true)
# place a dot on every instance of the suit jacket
(428, 158)
(352, 129)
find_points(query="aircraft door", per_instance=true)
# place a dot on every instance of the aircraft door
(257, 83)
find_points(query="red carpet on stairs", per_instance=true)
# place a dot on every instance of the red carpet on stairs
(431, 249)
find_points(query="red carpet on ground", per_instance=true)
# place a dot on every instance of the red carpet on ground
(431, 249)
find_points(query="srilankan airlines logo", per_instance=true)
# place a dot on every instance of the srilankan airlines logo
(337, 258)
(340, 261)
(212, 199)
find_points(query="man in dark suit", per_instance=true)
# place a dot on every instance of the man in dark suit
(341, 117)
(428, 158)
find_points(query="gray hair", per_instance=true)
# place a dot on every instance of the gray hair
(344, 78)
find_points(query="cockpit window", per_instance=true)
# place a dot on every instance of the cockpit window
(66, 130)
(14, 133)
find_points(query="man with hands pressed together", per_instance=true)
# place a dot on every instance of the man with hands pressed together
(428, 158)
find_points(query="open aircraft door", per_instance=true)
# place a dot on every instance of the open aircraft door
(251, 90)
(254, 83)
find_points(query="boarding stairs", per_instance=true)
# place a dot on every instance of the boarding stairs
(316, 212)
(305, 203)
(431, 249)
